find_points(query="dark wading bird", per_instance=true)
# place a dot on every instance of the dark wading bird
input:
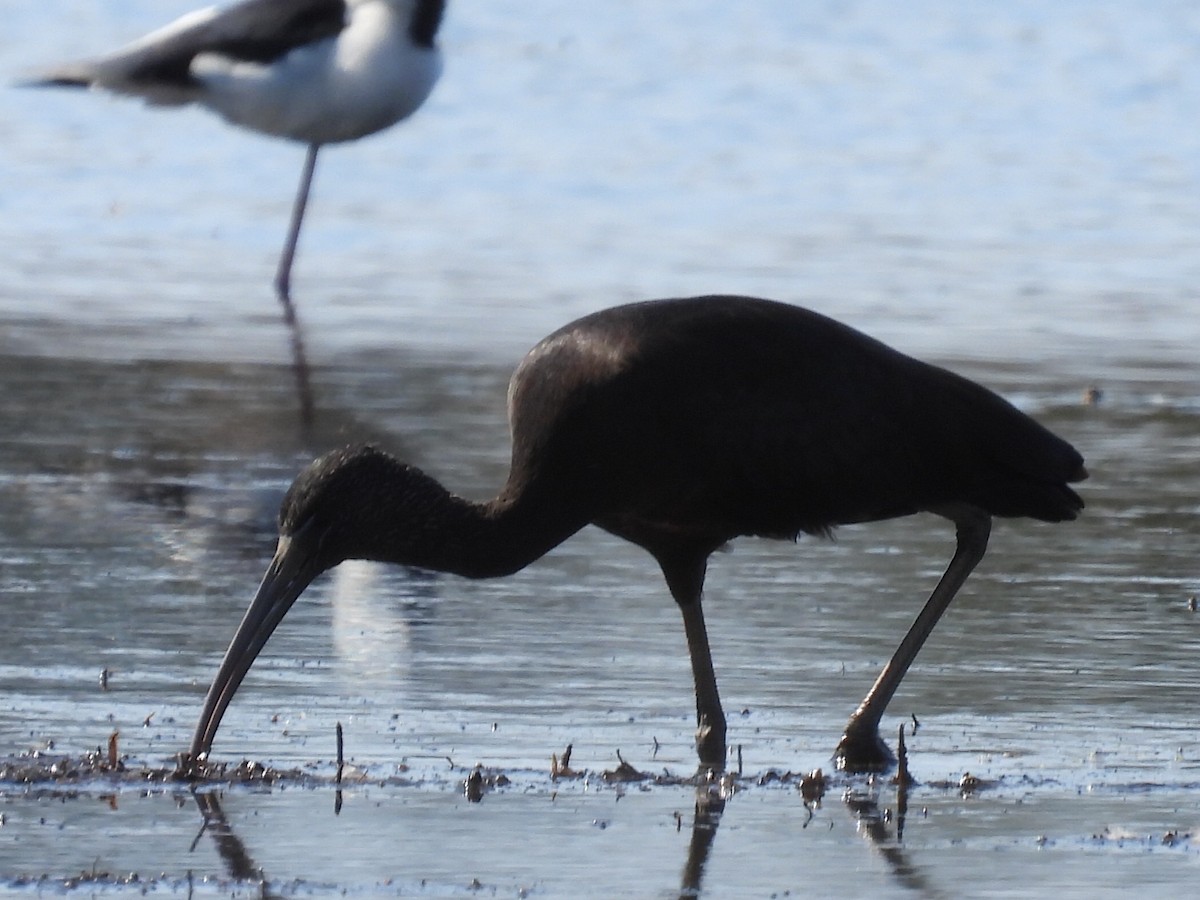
(314, 71)
(680, 425)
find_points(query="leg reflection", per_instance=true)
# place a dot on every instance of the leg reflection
(710, 803)
(875, 824)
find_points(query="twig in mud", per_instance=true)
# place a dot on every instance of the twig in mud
(903, 782)
(341, 764)
(903, 777)
(341, 759)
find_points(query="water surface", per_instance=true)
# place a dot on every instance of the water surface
(1009, 192)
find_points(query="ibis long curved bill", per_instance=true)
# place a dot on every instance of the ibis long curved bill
(291, 571)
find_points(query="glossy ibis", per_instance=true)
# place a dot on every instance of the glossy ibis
(680, 425)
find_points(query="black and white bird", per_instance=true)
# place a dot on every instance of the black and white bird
(315, 71)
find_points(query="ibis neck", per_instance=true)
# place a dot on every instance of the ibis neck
(448, 533)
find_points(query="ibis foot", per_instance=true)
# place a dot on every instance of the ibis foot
(861, 750)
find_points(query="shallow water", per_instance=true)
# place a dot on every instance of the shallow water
(1009, 192)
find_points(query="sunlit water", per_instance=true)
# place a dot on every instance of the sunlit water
(1009, 190)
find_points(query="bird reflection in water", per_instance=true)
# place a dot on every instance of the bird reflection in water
(237, 859)
(240, 865)
(706, 818)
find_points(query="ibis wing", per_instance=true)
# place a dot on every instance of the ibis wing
(869, 435)
(805, 449)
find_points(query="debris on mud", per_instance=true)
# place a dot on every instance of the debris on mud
(1173, 837)
(42, 765)
(624, 773)
(481, 780)
(84, 879)
(969, 784)
(812, 787)
(51, 769)
(561, 768)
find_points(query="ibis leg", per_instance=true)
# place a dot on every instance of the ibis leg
(710, 718)
(861, 749)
